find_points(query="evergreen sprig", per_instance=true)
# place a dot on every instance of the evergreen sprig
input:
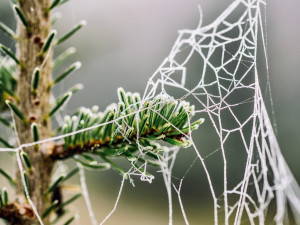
(118, 128)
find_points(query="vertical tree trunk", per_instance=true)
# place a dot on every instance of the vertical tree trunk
(36, 107)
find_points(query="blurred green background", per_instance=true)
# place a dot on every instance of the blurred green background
(122, 45)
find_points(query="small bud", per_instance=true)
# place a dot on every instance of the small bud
(36, 101)
(32, 118)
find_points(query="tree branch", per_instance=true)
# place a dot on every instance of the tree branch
(130, 125)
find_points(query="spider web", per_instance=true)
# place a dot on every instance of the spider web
(228, 83)
(227, 90)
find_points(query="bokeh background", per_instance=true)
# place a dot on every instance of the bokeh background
(122, 45)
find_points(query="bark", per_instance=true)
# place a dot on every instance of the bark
(35, 107)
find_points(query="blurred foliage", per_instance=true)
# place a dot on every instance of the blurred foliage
(8, 83)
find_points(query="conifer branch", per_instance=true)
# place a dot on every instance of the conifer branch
(117, 130)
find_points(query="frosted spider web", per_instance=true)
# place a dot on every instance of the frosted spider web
(227, 50)
(266, 174)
